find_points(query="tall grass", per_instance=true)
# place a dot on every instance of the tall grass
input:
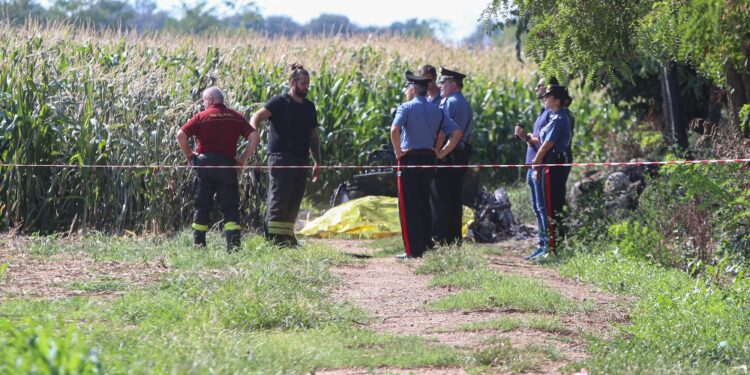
(72, 95)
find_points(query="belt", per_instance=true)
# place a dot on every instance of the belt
(422, 151)
(213, 158)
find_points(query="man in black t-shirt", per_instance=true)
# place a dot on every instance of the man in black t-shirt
(292, 136)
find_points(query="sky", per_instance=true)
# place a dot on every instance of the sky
(461, 16)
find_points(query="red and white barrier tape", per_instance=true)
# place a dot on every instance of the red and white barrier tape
(477, 166)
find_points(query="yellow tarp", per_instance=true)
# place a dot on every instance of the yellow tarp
(367, 217)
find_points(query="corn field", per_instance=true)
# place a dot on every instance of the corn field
(71, 95)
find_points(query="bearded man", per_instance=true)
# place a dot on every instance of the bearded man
(292, 139)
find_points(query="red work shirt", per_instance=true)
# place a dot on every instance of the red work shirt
(217, 128)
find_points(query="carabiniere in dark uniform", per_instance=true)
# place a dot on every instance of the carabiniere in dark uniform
(555, 138)
(446, 190)
(414, 134)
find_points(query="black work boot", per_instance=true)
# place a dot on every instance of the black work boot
(199, 238)
(234, 238)
(291, 242)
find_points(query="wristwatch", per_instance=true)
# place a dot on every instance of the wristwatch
(528, 138)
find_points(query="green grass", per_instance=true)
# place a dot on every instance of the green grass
(261, 310)
(289, 351)
(486, 288)
(520, 203)
(33, 348)
(500, 353)
(452, 259)
(679, 324)
(505, 324)
(489, 249)
(3, 268)
(175, 251)
(493, 290)
(267, 309)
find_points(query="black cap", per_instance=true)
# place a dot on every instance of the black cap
(450, 74)
(557, 91)
(416, 80)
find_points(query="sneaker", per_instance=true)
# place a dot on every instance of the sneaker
(541, 255)
(536, 252)
(402, 256)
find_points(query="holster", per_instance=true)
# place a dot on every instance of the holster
(554, 157)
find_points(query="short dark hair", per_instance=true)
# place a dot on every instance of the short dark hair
(421, 90)
(428, 69)
(297, 71)
(553, 81)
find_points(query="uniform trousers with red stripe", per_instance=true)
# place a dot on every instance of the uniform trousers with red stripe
(414, 201)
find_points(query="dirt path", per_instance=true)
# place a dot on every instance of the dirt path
(397, 297)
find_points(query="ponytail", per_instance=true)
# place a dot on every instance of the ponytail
(297, 71)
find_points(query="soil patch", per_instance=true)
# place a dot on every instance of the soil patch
(66, 274)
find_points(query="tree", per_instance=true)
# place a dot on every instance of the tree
(331, 24)
(147, 17)
(197, 18)
(245, 15)
(281, 25)
(414, 28)
(491, 36)
(100, 13)
(715, 37)
(599, 40)
(18, 10)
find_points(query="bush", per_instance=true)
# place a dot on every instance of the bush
(689, 216)
(637, 241)
(705, 209)
(745, 118)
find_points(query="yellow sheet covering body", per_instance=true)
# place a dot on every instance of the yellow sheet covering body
(366, 217)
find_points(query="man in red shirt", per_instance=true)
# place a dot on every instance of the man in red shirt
(217, 129)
